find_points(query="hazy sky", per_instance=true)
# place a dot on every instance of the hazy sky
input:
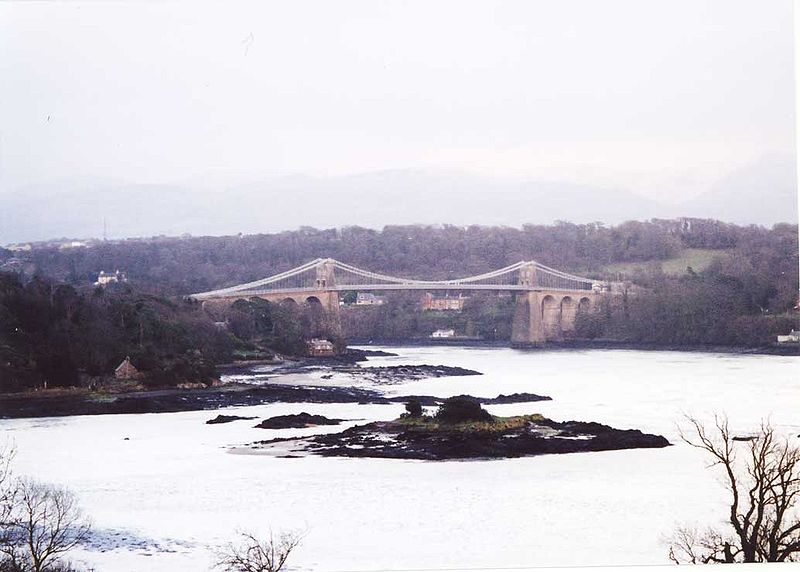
(661, 97)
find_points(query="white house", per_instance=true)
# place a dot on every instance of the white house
(792, 338)
(107, 278)
(443, 334)
(368, 299)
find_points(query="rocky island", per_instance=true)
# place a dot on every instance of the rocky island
(461, 429)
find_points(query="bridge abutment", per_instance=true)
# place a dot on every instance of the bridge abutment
(526, 327)
(542, 316)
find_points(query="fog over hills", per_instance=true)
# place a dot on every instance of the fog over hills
(764, 193)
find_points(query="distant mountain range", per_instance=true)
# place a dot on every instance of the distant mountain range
(764, 194)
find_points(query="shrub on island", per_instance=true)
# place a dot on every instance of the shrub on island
(413, 409)
(461, 410)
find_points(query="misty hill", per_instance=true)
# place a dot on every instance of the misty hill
(373, 200)
(764, 192)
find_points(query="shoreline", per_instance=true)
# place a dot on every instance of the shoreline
(82, 401)
(598, 344)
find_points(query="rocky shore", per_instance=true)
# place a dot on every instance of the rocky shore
(85, 402)
(169, 401)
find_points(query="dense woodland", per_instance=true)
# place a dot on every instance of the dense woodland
(52, 333)
(56, 327)
(195, 264)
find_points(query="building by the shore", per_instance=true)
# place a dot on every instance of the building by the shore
(318, 347)
(792, 338)
(443, 303)
(126, 370)
(443, 334)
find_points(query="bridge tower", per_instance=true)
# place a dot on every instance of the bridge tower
(329, 298)
(527, 326)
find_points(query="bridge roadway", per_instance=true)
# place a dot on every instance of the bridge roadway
(409, 286)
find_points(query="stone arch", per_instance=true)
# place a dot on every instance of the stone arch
(289, 303)
(584, 305)
(551, 317)
(569, 308)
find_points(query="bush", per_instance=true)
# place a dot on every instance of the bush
(413, 408)
(461, 409)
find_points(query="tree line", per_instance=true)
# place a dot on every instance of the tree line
(178, 266)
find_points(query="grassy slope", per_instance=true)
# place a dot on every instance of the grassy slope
(697, 258)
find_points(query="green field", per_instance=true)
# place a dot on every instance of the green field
(697, 258)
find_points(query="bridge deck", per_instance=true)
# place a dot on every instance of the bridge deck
(318, 276)
(386, 287)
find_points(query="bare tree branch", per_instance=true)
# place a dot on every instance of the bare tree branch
(44, 524)
(252, 554)
(764, 485)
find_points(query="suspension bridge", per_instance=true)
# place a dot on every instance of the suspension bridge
(547, 300)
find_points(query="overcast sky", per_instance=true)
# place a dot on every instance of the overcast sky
(660, 97)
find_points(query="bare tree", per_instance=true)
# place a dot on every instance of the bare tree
(6, 493)
(45, 523)
(762, 475)
(252, 554)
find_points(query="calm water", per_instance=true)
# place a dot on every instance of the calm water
(174, 485)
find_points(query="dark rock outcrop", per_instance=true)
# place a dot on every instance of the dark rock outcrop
(225, 419)
(513, 398)
(297, 421)
(400, 373)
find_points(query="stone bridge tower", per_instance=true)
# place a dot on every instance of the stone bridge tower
(542, 314)
(526, 327)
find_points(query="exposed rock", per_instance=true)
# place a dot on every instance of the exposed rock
(428, 400)
(225, 419)
(401, 373)
(297, 421)
(513, 398)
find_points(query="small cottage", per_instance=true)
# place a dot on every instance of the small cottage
(125, 370)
